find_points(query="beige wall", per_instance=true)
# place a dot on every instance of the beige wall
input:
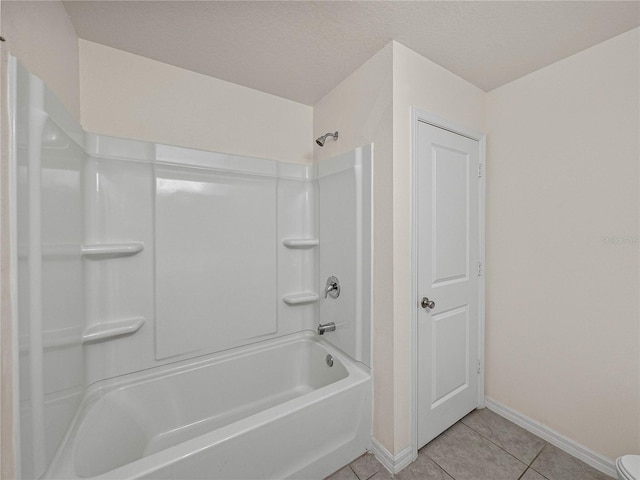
(562, 246)
(417, 82)
(374, 105)
(126, 95)
(360, 108)
(549, 210)
(41, 36)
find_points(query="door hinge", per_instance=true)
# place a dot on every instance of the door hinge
(479, 366)
(479, 269)
(480, 170)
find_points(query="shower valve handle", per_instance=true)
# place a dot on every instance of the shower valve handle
(333, 287)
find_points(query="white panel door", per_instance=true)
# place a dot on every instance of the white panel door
(448, 252)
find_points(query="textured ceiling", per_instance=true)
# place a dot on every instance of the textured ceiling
(302, 49)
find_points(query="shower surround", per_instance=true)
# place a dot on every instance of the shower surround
(177, 293)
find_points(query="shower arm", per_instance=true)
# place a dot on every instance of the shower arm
(321, 140)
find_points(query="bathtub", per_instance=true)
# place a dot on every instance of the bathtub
(272, 410)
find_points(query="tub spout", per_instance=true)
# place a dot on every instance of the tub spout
(326, 327)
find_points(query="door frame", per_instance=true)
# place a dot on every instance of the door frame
(418, 115)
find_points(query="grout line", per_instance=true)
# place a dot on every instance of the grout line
(436, 463)
(527, 464)
(374, 474)
(432, 459)
(441, 467)
(545, 478)
(354, 472)
(529, 467)
(539, 453)
(501, 448)
(536, 457)
(578, 451)
(534, 470)
(370, 476)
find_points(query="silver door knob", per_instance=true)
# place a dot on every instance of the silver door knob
(426, 303)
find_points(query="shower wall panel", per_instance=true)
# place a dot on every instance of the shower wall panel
(344, 198)
(118, 286)
(50, 310)
(297, 267)
(213, 270)
(216, 277)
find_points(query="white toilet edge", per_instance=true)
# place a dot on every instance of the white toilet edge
(628, 467)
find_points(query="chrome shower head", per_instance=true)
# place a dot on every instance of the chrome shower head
(320, 140)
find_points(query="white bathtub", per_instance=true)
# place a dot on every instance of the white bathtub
(268, 411)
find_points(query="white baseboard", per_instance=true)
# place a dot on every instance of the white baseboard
(588, 456)
(392, 463)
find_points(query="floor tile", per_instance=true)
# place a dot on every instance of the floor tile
(523, 445)
(422, 469)
(366, 466)
(532, 475)
(465, 455)
(555, 464)
(382, 475)
(344, 473)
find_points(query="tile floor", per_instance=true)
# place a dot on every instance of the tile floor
(481, 446)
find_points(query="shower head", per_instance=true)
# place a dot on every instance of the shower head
(320, 140)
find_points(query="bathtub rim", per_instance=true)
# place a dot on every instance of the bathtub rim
(101, 388)
(63, 464)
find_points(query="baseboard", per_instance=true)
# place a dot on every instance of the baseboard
(588, 456)
(392, 463)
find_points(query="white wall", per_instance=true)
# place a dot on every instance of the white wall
(360, 108)
(41, 36)
(421, 83)
(563, 340)
(126, 95)
(374, 105)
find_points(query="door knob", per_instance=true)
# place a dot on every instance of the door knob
(426, 303)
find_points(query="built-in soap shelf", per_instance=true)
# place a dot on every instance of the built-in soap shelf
(115, 328)
(94, 250)
(108, 330)
(112, 249)
(300, 242)
(300, 298)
